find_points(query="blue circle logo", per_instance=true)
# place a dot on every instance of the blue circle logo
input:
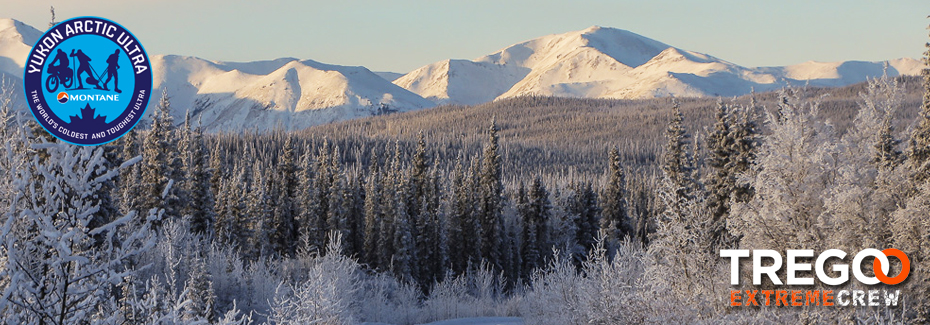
(99, 74)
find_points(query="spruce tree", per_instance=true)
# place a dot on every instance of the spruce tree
(679, 190)
(536, 227)
(746, 134)
(161, 163)
(722, 181)
(217, 169)
(918, 153)
(887, 154)
(234, 227)
(130, 178)
(678, 160)
(583, 206)
(719, 143)
(615, 213)
(319, 204)
(527, 250)
(489, 201)
(422, 207)
(197, 180)
(909, 224)
(463, 227)
(354, 207)
(337, 217)
(404, 247)
(260, 212)
(373, 216)
(285, 236)
(305, 201)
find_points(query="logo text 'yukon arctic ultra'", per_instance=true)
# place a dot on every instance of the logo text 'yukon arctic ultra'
(82, 65)
(880, 267)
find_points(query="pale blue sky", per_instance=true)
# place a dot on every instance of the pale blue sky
(403, 35)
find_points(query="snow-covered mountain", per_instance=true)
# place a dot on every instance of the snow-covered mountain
(592, 63)
(612, 63)
(286, 93)
(230, 96)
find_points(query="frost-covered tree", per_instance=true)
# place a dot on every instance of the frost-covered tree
(535, 214)
(326, 297)
(129, 181)
(404, 247)
(423, 209)
(284, 220)
(583, 207)
(490, 189)
(909, 224)
(866, 180)
(260, 209)
(59, 266)
(161, 164)
(373, 216)
(679, 189)
(463, 226)
(732, 145)
(319, 204)
(232, 218)
(198, 202)
(338, 218)
(721, 182)
(682, 243)
(615, 218)
(678, 159)
(306, 219)
(796, 164)
(200, 295)
(918, 153)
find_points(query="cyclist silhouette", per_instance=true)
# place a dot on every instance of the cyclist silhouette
(83, 66)
(112, 66)
(59, 64)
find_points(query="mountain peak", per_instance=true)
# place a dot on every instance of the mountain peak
(624, 46)
(16, 29)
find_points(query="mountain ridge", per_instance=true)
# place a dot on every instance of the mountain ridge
(597, 62)
(610, 63)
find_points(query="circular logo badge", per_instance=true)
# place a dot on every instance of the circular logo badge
(98, 73)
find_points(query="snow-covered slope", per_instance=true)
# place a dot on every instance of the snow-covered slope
(285, 93)
(612, 63)
(389, 76)
(235, 96)
(461, 81)
(16, 40)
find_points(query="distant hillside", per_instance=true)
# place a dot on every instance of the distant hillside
(559, 135)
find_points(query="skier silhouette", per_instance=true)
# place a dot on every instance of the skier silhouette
(112, 66)
(83, 66)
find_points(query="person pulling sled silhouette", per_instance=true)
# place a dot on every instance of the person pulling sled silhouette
(112, 66)
(83, 66)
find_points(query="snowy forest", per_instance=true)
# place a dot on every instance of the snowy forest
(169, 225)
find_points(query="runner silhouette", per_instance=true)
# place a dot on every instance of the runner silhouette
(83, 66)
(112, 66)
